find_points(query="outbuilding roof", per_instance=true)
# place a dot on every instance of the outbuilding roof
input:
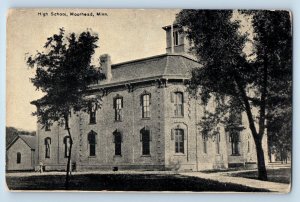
(28, 139)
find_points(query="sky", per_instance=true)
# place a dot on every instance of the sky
(123, 34)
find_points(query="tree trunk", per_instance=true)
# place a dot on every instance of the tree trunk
(67, 182)
(262, 172)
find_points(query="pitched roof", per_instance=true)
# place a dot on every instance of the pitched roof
(28, 139)
(166, 65)
(10, 138)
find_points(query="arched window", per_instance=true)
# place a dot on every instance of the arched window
(204, 139)
(179, 140)
(92, 143)
(47, 127)
(234, 138)
(67, 143)
(145, 139)
(18, 158)
(118, 143)
(145, 102)
(177, 99)
(248, 146)
(218, 143)
(118, 106)
(92, 112)
(47, 147)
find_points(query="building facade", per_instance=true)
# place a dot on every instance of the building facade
(147, 121)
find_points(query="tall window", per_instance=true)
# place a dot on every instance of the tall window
(92, 112)
(176, 38)
(47, 147)
(234, 138)
(178, 103)
(67, 144)
(47, 127)
(118, 143)
(218, 143)
(18, 158)
(145, 139)
(92, 143)
(146, 106)
(179, 141)
(66, 126)
(118, 106)
(92, 117)
(204, 139)
(248, 146)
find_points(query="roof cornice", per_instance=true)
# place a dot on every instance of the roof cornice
(141, 80)
(153, 57)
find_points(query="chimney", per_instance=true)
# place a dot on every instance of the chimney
(105, 64)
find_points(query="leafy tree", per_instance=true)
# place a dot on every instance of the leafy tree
(239, 82)
(273, 43)
(279, 131)
(63, 74)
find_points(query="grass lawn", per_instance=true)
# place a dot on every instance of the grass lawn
(281, 175)
(124, 182)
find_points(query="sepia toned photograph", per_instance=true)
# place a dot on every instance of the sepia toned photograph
(149, 100)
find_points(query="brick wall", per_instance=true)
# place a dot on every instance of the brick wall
(130, 126)
(162, 146)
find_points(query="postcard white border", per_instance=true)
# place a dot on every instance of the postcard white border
(293, 5)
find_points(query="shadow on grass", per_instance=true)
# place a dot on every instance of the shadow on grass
(281, 175)
(222, 170)
(125, 182)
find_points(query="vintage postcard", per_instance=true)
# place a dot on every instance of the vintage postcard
(149, 100)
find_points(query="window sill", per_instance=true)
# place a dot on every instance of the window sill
(178, 117)
(146, 118)
(92, 123)
(235, 155)
(179, 154)
(92, 157)
(148, 155)
(118, 121)
(175, 45)
(117, 156)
